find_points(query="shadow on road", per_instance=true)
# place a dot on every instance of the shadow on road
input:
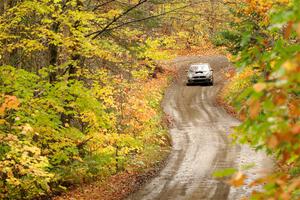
(199, 84)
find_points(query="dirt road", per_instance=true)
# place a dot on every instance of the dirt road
(200, 143)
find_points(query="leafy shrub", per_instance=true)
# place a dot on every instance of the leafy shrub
(270, 103)
(54, 135)
(238, 84)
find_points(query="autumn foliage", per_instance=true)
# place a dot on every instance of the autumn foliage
(76, 105)
(265, 89)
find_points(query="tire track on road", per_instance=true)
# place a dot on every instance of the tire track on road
(200, 143)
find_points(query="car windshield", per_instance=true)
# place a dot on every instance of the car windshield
(203, 67)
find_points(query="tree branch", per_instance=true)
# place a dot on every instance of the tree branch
(115, 19)
(103, 4)
(147, 18)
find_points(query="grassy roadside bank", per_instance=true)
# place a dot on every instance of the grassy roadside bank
(236, 83)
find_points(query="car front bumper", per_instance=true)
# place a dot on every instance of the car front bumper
(199, 80)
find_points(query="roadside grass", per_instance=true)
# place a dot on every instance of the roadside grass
(237, 83)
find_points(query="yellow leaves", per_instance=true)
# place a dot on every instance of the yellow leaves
(26, 128)
(142, 100)
(273, 64)
(90, 117)
(10, 138)
(32, 149)
(239, 83)
(238, 179)
(22, 163)
(154, 50)
(105, 94)
(27, 45)
(12, 180)
(290, 66)
(2, 121)
(78, 159)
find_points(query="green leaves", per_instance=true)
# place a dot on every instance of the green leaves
(224, 173)
(66, 115)
(267, 103)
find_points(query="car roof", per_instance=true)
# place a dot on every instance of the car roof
(199, 65)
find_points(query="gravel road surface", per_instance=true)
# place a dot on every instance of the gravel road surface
(200, 142)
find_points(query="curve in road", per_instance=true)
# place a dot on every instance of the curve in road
(200, 142)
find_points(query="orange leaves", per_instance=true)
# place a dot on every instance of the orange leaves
(283, 187)
(238, 179)
(279, 137)
(273, 142)
(259, 87)
(257, 6)
(258, 181)
(298, 29)
(271, 106)
(294, 108)
(295, 184)
(255, 108)
(263, 6)
(142, 100)
(288, 30)
(295, 129)
(229, 73)
(279, 98)
(10, 102)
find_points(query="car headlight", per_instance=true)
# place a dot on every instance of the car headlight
(208, 74)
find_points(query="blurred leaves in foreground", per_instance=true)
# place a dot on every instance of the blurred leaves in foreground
(265, 90)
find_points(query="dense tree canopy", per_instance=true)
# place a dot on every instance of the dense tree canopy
(81, 88)
(76, 99)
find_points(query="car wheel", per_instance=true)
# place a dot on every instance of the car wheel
(189, 82)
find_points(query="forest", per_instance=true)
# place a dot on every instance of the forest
(82, 83)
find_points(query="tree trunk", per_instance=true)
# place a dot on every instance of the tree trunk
(53, 50)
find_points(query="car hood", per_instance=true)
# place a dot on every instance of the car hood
(199, 73)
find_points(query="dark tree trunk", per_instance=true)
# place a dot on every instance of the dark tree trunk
(53, 50)
(72, 68)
